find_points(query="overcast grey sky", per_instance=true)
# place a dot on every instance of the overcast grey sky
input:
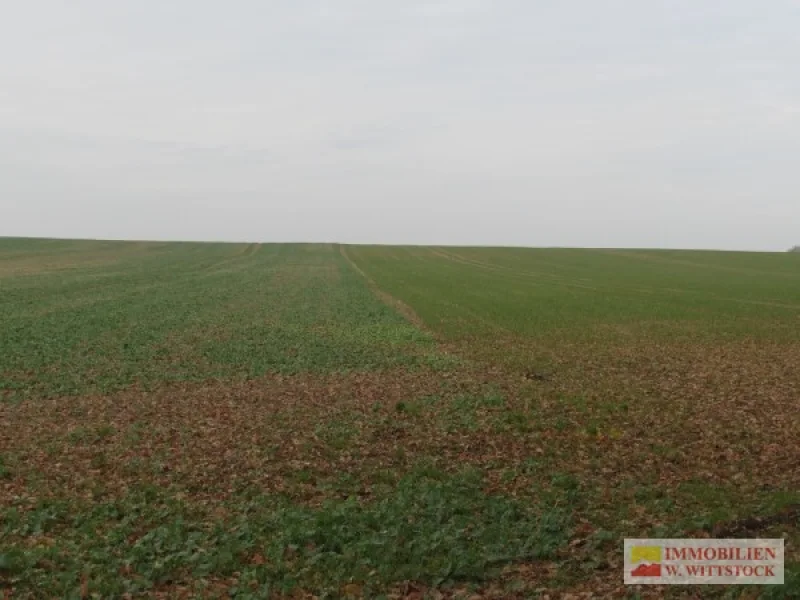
(646, 123)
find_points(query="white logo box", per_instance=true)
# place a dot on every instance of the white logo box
(684, 561)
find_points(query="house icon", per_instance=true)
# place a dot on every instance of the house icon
(647, 561)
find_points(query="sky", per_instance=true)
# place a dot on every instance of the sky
(619, 123)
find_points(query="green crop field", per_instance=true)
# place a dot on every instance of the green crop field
(183, 420)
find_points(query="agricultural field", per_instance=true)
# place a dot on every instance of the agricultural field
(184, 420)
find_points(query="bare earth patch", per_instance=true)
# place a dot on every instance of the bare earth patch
(637, 441)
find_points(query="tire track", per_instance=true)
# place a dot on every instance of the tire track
(398, 305)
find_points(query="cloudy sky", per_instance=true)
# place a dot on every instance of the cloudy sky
(507, 122)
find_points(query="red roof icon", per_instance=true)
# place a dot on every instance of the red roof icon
(645, 570)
